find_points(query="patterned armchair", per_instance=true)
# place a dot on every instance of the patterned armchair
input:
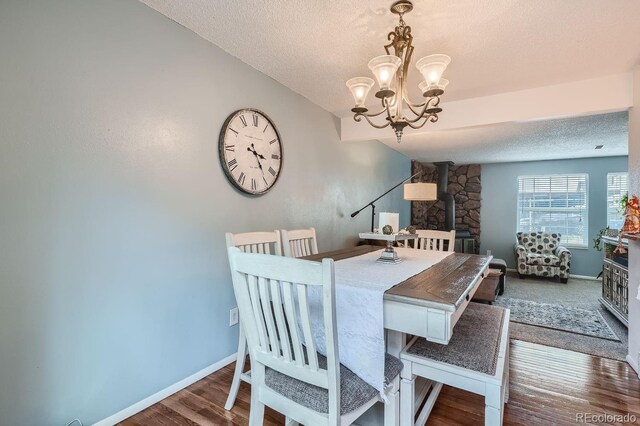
(540, 253)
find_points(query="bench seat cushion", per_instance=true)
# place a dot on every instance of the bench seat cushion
(475, 342)
(354, 392)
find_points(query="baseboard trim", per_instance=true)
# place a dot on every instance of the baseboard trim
(584, 277)
(580, 277)
(633, 364)
(164, 393)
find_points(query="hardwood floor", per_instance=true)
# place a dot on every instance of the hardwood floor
(549, 386)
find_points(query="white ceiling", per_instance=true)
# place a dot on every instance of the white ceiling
(574, 137)
(497, 46)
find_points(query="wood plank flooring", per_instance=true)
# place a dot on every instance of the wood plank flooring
(549, 386)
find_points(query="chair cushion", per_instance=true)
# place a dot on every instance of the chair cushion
(475, 343)
(354, 392)
(543, 259)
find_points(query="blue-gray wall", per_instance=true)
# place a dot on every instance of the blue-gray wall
(499, 200)
(114, 281)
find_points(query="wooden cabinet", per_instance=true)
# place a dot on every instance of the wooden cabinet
(615, 281)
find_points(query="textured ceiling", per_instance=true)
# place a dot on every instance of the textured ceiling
(314, 46)
(574, 137)
(497, 46)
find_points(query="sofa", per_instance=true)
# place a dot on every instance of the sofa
(540, 253)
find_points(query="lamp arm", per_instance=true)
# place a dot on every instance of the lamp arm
(370, 203)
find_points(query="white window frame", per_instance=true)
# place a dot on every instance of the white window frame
(584, 212)
(613, 198)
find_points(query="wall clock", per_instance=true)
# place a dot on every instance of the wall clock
(250, 151)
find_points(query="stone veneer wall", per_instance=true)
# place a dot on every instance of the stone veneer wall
(465, 185)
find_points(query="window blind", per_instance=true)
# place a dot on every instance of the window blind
(617, 187)
(555, 203)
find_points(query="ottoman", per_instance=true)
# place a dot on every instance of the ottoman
(488, 290)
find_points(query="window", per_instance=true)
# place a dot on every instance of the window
(617, 187)
(555, 203)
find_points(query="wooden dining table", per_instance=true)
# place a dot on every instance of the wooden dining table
(427, 304)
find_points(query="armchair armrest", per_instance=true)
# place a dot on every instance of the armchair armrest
(521, 252)
(562, 253)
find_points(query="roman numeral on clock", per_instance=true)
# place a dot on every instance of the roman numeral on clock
(244, 121)
(275, 156)
(242, 178)
(231, 148)
(273, 172)
(254, 184)
(255, 120)
(271, 142)
(232, 164)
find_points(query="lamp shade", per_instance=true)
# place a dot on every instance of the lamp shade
(360, 87)
(420, 191)
(431, 67)
(384, 69)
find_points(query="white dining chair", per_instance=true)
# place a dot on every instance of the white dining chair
(248, 242)
(435, 240)
(288, 374)
(299, 242)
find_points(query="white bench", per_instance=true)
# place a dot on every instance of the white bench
(476, 360)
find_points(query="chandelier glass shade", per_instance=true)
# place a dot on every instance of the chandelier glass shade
(391, 72)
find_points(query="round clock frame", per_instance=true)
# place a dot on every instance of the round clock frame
(228, 165)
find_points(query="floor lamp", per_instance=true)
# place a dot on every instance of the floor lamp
(419, 191)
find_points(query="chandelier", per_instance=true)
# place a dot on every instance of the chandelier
(391, 72)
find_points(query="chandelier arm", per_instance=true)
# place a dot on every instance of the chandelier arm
(417, 126)
(372, 115)
(407, 100)
(411, 106)
(421, 114)
(424, 109)
(430, 117)
(386, 105)
(358, 117)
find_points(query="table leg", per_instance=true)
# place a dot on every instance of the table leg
(396, 341)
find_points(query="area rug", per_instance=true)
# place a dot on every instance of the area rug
(559, 317)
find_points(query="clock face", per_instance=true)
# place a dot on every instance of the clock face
(250, 151)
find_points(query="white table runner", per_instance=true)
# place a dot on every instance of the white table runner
(360, 286)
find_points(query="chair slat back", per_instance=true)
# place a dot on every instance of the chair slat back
(299, 242)
(435, 240)
(256, 242)
(273, 300)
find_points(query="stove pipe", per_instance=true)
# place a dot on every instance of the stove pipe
(443, 195)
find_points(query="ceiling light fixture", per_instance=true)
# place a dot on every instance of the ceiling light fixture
(391, 72)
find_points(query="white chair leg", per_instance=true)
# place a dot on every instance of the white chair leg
(407, 400)
(240, 359)
(392, 407)
(256, 411)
